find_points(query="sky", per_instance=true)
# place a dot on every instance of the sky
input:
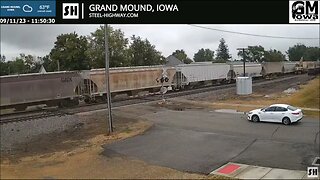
(38, 40)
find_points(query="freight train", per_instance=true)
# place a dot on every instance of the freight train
(68, 88)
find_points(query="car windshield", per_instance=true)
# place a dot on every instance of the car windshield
(292, 108)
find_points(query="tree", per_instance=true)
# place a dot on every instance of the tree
(142, 53)
(312, 54)
(182, 56)
(253, 53)
(223, 51)
(49, 64)
(70, 50)
(17, 66)
(274, 56)
(2, 58)
(296, 52)
(3, 65)
(32, 63)
(203, 55)
(118, 48)
(300, 50)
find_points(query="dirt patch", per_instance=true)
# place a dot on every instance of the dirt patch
(305, 95)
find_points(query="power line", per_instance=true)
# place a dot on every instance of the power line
(248, 34)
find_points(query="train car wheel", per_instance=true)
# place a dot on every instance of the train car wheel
(87, 100)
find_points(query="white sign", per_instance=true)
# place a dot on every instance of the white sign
(313, 172)
(70, 10)
(304, 11)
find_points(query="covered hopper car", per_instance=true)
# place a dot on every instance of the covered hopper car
(54, 88)
(252, 69)
(289, 67)
(195, 74)
(272, 68)
(128, 80)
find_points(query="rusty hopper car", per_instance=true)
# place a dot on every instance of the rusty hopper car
(252, 69)
(272, 68)
(128, 80)
(56, 88)
(289, 67)
(198, 74)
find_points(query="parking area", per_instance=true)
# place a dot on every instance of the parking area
(203, 140)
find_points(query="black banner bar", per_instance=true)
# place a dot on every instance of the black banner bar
(163, 11)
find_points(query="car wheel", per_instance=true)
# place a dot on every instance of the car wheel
(255, 118)
(286, 121)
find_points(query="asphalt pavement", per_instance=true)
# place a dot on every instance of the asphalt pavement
(201, 141)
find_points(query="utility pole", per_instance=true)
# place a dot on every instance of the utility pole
(244, 60)
(58, 65)
(107, 78)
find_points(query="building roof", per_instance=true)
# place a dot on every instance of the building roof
(42, 70)
(173, 61)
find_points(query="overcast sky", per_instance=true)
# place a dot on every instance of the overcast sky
(38, 40)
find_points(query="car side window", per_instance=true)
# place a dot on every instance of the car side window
(270, 109)
(281, 109)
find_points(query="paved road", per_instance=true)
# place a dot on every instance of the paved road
(201, 141)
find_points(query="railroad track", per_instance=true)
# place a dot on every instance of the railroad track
(30, 115)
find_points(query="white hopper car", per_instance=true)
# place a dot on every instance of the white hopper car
(195, 74)
(252, 69)
(289, 67)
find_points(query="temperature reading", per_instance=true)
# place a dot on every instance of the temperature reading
(44, 7)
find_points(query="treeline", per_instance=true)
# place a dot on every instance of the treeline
(74, 52)
(20, 65)
(295, 53)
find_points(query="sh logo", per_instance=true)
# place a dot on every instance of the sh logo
(313, 172)
(70, 10)
(304, 11)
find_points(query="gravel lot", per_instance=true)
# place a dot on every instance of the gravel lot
(16, 133)
(53, 134)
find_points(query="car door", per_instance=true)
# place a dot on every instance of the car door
(279, 114)
(267, 114)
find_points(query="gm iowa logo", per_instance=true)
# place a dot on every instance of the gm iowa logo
(304, 11)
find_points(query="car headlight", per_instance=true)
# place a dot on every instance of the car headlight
(249, 112)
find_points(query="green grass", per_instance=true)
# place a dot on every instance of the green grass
(308, 96)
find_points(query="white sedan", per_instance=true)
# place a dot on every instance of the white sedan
(282, 113)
